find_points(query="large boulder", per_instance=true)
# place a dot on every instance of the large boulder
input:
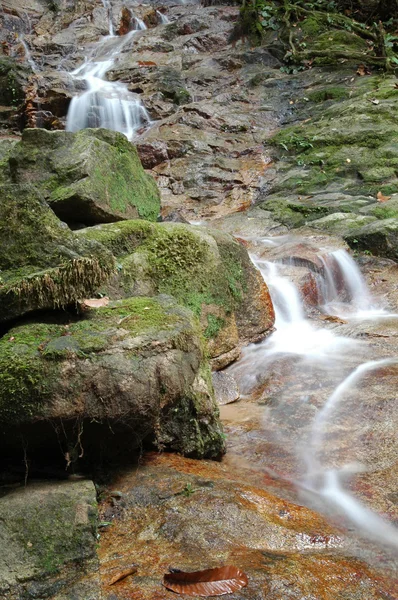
(48, 537)
(379, 238)
(204, 269)
(130, 372)
(42, 263)
(92, 176)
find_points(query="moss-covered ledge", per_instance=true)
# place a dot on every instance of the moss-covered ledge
(42, 263)
(204, 269)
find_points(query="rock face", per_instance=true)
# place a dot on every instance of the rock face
(197, 516)
(89, 177)
(204, 269)
(132, 371)
(48, 541)
(43, 264)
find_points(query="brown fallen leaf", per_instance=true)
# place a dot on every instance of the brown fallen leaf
(96, 302)
(363, 70)
(210, 582)
(381, 198)
(122, 575)
(146, 63)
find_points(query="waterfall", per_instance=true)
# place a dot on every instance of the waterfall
(108, 8)
(107, 104)
(163, 18)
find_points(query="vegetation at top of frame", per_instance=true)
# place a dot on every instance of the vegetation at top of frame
(363, 31)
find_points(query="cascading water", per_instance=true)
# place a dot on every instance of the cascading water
(163, 18)
(107, 104)
(314, 361)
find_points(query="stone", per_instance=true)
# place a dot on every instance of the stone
(204, 269)
(131, 372)
(48, 535)
(203, 515)
(379, 237)
(43, 264)
(92, 176)
(225, 388)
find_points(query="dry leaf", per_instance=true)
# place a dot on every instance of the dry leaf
(96, 302)
(146, 63)
(210, 582)
(122, 575)
(363, 70)
(381, 198)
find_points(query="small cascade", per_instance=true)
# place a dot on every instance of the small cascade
(28, 55)
(107, 104)
(342, 277)
(108, 8)
(164, 20)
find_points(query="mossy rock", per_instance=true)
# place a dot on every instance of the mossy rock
(42, 263)
(293, 213)
(204, 269)
(13, 79)
(92, 176)
(348, 146)
(136, 368)
(380, 238)
(49, 532)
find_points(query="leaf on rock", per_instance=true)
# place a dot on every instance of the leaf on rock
(210, 582)
(363, 70)
(122, 575)
(381, 198)
(96, 302)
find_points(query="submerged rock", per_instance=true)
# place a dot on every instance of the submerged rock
(48, 534)
(132, 371)
(43, 264)
(92, 176)
(204, 269)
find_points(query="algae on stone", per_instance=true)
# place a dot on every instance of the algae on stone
(43, 264)
(92, 176)
(137, 364)
(204, 269)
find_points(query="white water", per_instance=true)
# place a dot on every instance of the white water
(105, 103)
(28, 55)
(163, 18)
(108, 8)
(325, 356)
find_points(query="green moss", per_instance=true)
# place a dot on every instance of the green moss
(215, 324)
(90, 176)
(179, 261)
(24, 384)
(328, 93)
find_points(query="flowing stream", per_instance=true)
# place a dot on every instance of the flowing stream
(308, 373)
(310, 419)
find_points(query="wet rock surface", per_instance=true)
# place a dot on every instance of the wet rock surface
(189, 515)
